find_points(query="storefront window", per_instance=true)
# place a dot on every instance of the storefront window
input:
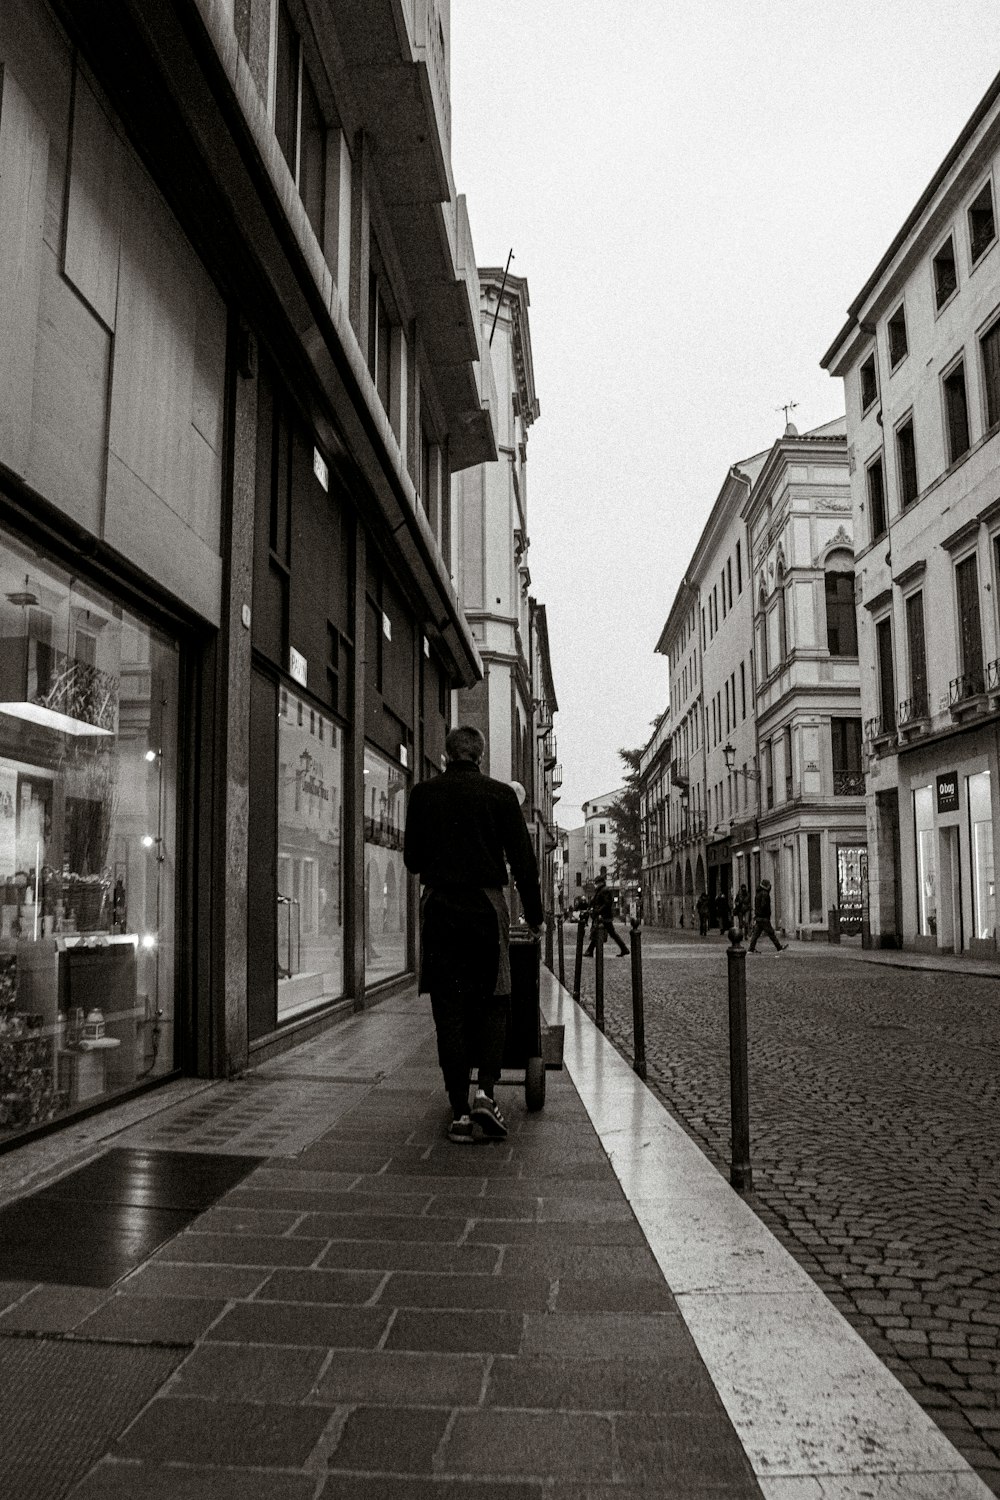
(385, 875)
(88, 745)
(852, 874)
(923, 822)
(983, 881)
(310, 869)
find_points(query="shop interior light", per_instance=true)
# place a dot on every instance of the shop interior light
(49, 718)
(148, 940)
(148, 841)
(151, 754)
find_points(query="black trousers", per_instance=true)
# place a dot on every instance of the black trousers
(461, 959)
(762, 928)
(609, 928)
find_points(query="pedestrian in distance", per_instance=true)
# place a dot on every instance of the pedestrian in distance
(722, 913)
(602, 910)
(741, 910)
(762, 918)
(463, 829)
(701, 906)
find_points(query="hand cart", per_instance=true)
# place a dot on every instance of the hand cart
(529, 1049)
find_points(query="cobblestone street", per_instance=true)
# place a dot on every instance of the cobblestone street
(875, 1138)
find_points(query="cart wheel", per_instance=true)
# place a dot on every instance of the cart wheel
(534, 1083)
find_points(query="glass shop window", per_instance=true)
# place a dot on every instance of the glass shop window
(310, 863)
(984, 897)
(386, 889)
(923, 823)
(88, 844)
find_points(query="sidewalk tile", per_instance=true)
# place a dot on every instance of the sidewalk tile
(611, 1295)
(591, 1262)
(489, 1206)
(374, 1487)
(310, 1326)
(249, 1221)
(457, 1332)
(162, 1280)
(396, 1255)
(512, 1231)
(53, 1309)
(515, 1293)
(379, 1227)
(400, 1441)
(255, 1372)
(578, 1336)
(312, 1201)
(239, 1250)
(115, 1479)
(685, 1451)
(353, 1287)
(523, 1444)
(145, 1320)
(388, 1378)
(193, 1431)
(623, 1384)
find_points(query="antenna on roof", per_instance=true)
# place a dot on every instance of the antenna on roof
(788, 408)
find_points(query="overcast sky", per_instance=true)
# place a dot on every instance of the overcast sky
(695, 193)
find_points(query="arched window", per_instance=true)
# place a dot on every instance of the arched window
(781, 587)
(765, 665)
(841, 617)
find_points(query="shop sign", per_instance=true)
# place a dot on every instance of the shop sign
(298, 667)
(947, 791)
(718, 854)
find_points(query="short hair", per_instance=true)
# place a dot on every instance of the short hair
(465, 743)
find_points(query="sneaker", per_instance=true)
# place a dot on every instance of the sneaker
(460, 1130)
(486, 1112)
(782, 947)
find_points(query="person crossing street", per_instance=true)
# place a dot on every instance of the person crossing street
(762, 918)
(602, 910)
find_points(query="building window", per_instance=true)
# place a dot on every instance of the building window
(782, 614)
(841, 617)
(869, 383)
(386, 886)
(89, 843)
(729, 579)
(769, 774)
(298, 121)
(723, 586)
(982, 225)
(815, 866)
(906, 457)
(845, 744)
(956, 409)
(970, 633)
(945, 273)
(886, 676)
(739, 570)
(926, 851)
(743, 691)
(984, 901)
(876, 499)
(990, 346)
(786, 751)
(602, 828)
(579, 876)
(602, 851)
(918, 655)
(898, 346)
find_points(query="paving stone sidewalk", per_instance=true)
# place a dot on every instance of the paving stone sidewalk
(386, 1314)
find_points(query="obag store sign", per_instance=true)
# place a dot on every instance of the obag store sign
(947, 792)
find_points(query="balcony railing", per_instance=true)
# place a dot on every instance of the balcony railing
(848, 783)
(963, 687)
(881, 727)
(993, 676)
(912, 711)
(679, 774)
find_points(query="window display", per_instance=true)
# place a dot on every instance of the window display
(923, 821)
(310, 869)
(88, 715)
(983, 878)
(386, 890)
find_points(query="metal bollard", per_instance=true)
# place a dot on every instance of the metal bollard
(638, 1011)
(599, 981)
(561, 947)
(581, 933)
(740, 1170)
(549, 925)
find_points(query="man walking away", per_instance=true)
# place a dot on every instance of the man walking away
(762, 918)
(722, 913)
(701, 906)
(462, 831)
(602, 910)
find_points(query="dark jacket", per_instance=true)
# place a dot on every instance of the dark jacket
(762, 905)
(463, 829)
(602, 907)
